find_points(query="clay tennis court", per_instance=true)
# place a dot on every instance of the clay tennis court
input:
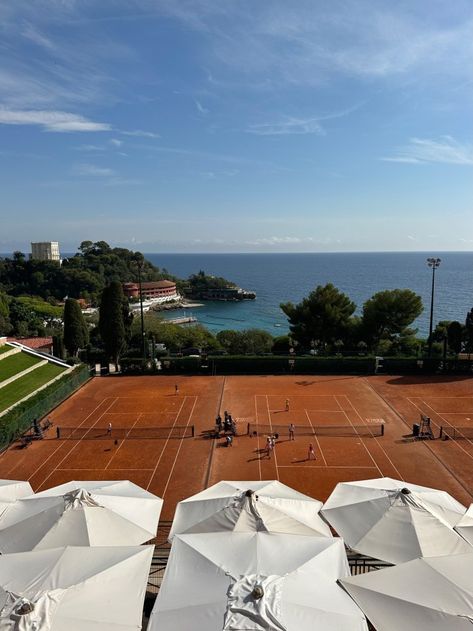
(176, 465)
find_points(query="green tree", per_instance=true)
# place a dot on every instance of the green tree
(112, 324)
(75, 329)
(58, 346)
(322, 317)
(5, 324)
(388, 314)
(455, 336)
(281, 345)
(469, 332)
(230, 341)
(246, 342)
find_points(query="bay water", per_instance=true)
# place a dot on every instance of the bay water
(280, 278)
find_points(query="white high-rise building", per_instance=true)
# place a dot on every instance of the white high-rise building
(45, 251)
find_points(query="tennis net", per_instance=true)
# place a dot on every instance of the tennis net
(93, 433)
(456, 433)
(371, 430)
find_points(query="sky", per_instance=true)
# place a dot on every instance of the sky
(237, 125)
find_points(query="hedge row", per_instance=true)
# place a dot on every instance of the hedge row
(284, 365)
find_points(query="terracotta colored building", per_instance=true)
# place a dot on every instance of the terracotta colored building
(162, 290)
(43, 344)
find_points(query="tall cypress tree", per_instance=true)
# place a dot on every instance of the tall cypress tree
(76, 334)
(112, 321)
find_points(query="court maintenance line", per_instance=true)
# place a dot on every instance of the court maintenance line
(178, 450)
(376, 439)
(78, 442)
(274, 448)
(123, 440)
(361, 439)
(166, 443)
(61, 442)
(316, 438)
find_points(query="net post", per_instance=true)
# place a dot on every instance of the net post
(248, 429)
(382, 429)
(441, 431)
(193, 431)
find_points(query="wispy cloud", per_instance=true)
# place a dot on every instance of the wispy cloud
(200, 108)
(115, 142)
(50, 120)
(288, 126)
(140, 133)
(308, 42)
(93, 170)
(89, 148)
(446, 150)
(32, 34)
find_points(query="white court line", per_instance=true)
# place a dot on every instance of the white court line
(257, 440)
(75, 446)
(61, 444)
(274, 449)
(316, 439)
(452, 441)
(166, 443)
(454, 413)
(279, 410)
(178, 450)
(361, 439)
(123, 440)
(88, 469)
(374, 437)
(330, 466)
(291, 396)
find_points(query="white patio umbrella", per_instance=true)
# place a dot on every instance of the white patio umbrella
(121, 496)
(465, 525)
(11, 490)
(429, 594)
(255, 580)
(248, 506)
(74, 589)
(395, 521)
(74, 518)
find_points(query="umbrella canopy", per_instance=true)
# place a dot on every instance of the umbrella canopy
(434, 594)
(74, 589)
(247, 506)
(11, 490)
(75, 518)
(255, 580)
(465, 525)
(395, 521)
(121, 496)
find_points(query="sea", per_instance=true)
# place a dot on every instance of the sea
(278, 278)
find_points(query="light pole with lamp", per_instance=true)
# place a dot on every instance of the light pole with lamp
(434, 263)
(139, 260)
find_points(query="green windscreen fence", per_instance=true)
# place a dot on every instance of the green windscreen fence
(21, 417)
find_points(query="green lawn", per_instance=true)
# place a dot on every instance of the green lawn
(29, 383)
(4, 348)
(16, 363)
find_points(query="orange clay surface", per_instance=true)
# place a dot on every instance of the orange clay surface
(176, 468)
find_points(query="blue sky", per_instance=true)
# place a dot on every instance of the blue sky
(237, 125)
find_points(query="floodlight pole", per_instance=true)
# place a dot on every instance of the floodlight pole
(139, 264)
(434, 263)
